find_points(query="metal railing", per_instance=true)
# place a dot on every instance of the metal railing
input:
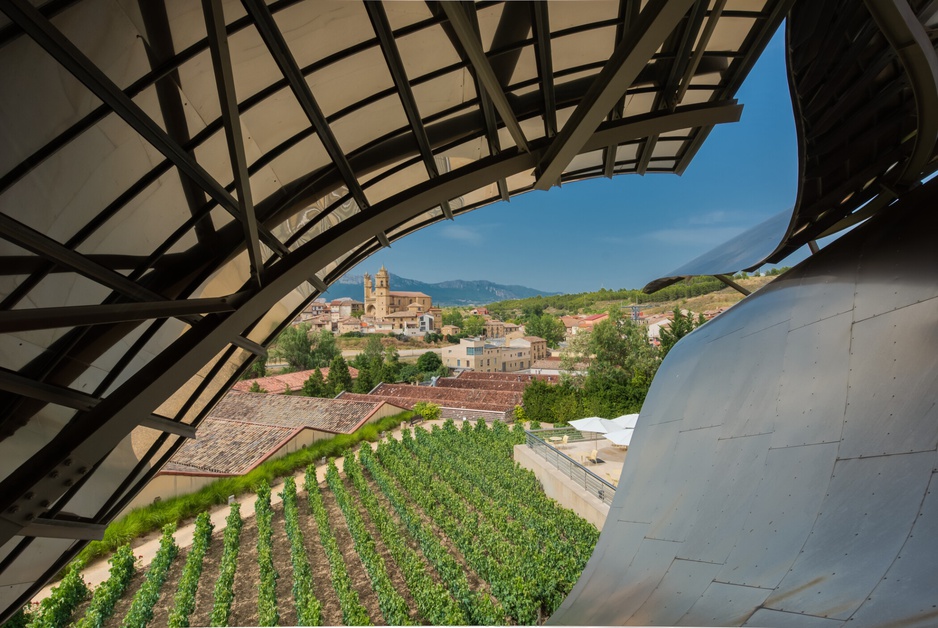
(591, 483)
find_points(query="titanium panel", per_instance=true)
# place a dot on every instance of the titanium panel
(724, 604)
(811, 400)
(871, 506)
(803, 504)
(781, 515)
(909, 584)
(676, 592)
(777, 619)
(901, 382)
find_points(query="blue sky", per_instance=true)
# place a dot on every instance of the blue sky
(623, 232)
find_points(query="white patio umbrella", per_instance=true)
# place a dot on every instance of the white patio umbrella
(621, 437)
(626, 421)
(595, 424)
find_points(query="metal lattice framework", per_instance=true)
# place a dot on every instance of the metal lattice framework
(180, 179)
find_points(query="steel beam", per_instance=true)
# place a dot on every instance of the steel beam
(488, 109)
(72, 59)
(163, 424)
(628, 13)
(545, 66)
(81, 315)
(392, 57)
(732, 284)
(473, 49)
(630, 57)
(31, 240)
(231, 119)
(64, 529)
(44, 246)
(908, 37)
(49, 393)
(91, 435)
(280, 51)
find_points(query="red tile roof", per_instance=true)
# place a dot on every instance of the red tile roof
(277, 384)
(245, 429)
(395, 293)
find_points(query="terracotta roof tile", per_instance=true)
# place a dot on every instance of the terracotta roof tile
(277, 384)
(244, 429)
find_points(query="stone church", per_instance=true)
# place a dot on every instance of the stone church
(401, 310)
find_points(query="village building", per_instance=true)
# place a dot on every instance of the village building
(488, 357)
(409, 313)
(345, 307)
(246, 429)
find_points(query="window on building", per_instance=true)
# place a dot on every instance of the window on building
(457, 362)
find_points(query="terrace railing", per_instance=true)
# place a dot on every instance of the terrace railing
(589, 481)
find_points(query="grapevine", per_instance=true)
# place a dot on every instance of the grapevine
(308, 608)
(191, 572)
(224, 592)
(108, 592)
(267, 612)
(141, 607)
(353, 613)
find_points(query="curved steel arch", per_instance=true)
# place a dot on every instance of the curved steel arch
(149, 252)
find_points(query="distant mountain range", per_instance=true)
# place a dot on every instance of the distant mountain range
(457, 292)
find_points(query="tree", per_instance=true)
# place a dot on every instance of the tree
(365, 381)
(315, 385)
(473, 325)
(256, 388)
(324, 349)
(294, 347)
(339, 378)
(390, 370)
(452, 317)
(429, 362)
(680, 327)
(427, 410)
(373, 355)
(548, 327)
(410, 373)
(258, 368)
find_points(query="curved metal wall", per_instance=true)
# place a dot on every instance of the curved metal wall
(784, 466)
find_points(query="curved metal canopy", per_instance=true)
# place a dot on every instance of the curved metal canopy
(864, 81)
(178, 179)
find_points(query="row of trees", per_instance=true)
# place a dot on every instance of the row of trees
(609, 371)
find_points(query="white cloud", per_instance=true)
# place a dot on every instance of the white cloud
(461, 233)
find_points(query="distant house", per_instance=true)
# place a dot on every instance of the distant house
(349, 324)
(488, 357)
(245, 429)
(345, 308)
(480, 311)
(450, 330)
